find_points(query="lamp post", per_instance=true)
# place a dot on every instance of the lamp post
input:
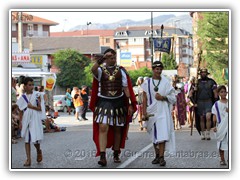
(88, 23)
(20, 32)
(30, 34)
(175, 38)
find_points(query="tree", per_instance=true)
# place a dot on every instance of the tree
(213, 29)
(169, 61)
(88, 75)
(134, 74)
(71, 66)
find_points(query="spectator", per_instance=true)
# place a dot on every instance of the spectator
(84, 95)
(68, 100)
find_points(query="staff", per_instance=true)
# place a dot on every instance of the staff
(195, 89)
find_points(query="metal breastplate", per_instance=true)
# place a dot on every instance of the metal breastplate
(205, 90)
(111, 82)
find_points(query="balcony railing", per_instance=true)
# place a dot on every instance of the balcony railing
(37, 33)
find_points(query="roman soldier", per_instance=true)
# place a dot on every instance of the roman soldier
(203, 101)
(113, 103)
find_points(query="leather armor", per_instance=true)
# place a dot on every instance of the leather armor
(111, 87)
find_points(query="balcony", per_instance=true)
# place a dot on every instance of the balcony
(38, 33)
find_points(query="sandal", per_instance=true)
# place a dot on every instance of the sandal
(14, 141)
(39, 155)
(27, 163)
(102, 162)
(223, 163)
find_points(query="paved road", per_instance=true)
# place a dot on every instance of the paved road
(74, 149)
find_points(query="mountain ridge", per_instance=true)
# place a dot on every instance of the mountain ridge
(181, 21)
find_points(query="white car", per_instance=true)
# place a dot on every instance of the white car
(59, 103)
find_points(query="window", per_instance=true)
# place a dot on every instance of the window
(30, 30)
(14, 27)
(14, 40)
(107, 40)
(121, 33)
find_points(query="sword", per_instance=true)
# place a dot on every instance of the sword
(147, 117)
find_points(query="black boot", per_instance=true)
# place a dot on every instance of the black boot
(103, 160)
(156, 160)
(162, 162)
(116, 156)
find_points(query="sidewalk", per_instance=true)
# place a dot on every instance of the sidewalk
(66, 120)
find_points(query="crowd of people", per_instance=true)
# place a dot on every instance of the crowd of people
(46, 117)
(163, 106)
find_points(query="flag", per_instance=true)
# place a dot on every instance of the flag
(162, 44)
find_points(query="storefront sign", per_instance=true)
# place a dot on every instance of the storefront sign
(20, 57)
(50, 83)
(126, 59)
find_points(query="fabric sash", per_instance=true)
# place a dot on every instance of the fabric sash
(25, 98)
(218, 114)
(150, 98)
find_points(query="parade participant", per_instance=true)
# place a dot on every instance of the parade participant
(190, 107)
(113, 103)
(158, 98)
(139, 100)
(206, 95)
(220, 119)
(30, 105)
(180, 107)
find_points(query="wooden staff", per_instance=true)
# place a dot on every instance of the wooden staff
(196, 88)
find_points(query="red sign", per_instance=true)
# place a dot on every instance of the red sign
(21, 57)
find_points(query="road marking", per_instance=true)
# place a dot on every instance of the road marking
(131, 159)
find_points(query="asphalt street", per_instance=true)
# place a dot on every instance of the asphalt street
(74, 149)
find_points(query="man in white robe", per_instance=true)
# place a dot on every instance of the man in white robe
(158, 98)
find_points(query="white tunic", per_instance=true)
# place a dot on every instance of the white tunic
(32, 128)
(222, 127)
(160, 126)
(43, 112)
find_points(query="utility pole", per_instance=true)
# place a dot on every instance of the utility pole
(151, 37)
(20, 32)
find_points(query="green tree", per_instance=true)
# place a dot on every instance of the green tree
(71, 65)
(213, 32)
(144, 72)
(169, 61)
(88, 75)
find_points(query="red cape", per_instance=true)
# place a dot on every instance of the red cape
(93, 102)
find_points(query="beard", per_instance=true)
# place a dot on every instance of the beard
(204, 77)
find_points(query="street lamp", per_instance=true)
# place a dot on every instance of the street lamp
(88, 23)
(30, 34)
(175, 38)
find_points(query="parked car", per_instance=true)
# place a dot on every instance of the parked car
(59, 102)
